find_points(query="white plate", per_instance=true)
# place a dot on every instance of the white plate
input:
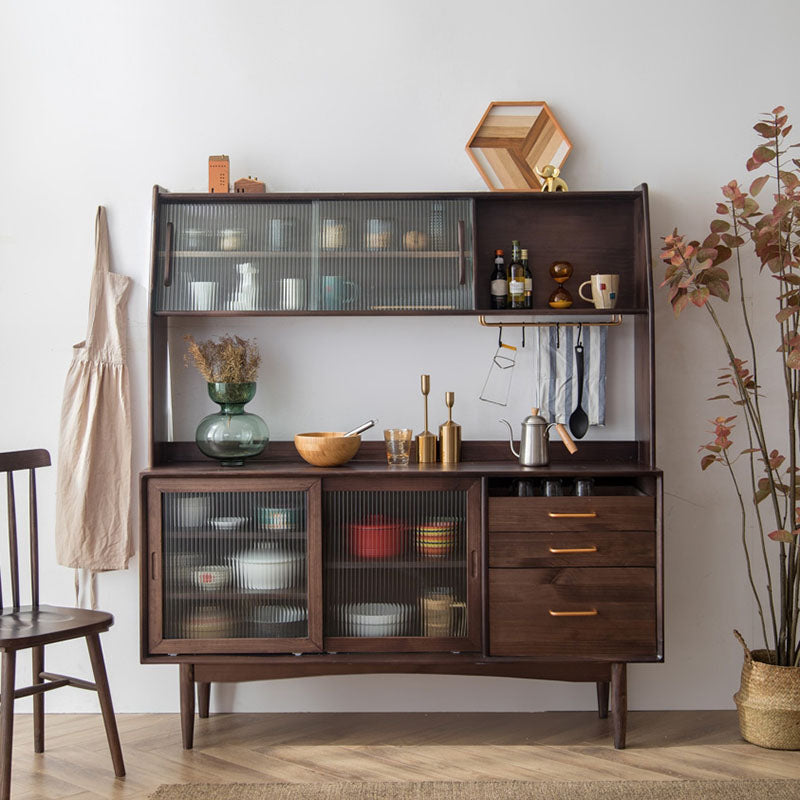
(228, 523)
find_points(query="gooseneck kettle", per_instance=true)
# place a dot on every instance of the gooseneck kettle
(533, 450)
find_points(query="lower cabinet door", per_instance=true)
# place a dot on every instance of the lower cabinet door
(401, 565)
(233, 566)
(589, 613)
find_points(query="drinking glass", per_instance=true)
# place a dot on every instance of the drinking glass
(398, 445)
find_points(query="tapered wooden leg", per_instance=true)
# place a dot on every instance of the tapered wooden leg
(203, 698)
(619, 704)
(37, 668)
(106, 706)
(187, 705)
(602, 699)
(9, 666)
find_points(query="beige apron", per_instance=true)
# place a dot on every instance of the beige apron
(93, 525)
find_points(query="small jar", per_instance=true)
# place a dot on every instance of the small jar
(231, 239)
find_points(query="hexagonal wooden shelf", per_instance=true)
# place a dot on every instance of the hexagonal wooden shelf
(512, 140)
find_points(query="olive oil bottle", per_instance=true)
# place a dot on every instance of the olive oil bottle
(516, 278)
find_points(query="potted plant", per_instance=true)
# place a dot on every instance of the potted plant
(763, 246)
(230, 367)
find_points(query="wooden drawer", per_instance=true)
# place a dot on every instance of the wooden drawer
(572, 549)
(592, 613)
(618, 513)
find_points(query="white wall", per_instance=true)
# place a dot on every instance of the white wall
(101, 100)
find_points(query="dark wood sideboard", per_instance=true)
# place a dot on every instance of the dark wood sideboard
(514, 585)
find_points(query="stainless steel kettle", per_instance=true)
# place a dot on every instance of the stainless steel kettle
(533, 451)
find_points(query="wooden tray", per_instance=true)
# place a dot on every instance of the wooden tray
(512, 140)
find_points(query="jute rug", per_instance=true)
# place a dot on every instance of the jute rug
(490, 790)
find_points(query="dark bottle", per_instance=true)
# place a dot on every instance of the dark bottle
(516, 278)
(499, 283)
(528, 280)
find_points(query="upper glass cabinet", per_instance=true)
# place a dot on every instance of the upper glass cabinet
(357, 255)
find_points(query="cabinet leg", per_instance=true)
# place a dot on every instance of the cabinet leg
(619, 703)
(203, 697)
(602, 699)
(187, 705)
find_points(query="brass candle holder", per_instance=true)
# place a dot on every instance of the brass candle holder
(450, 434)
(426, 441)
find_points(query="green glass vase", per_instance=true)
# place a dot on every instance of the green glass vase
(232, 434)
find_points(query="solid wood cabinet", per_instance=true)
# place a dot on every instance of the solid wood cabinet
(278, 569)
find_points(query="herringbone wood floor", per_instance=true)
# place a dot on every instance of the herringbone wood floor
(254, 748)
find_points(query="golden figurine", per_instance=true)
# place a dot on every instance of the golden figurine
(551, 181)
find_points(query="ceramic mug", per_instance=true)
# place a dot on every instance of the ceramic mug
(204, 294)
(293, 294)
(281, 234)
(334, 295)
(605, 289)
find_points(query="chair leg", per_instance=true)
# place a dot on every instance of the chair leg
(9, 666)
(187, 704)
(106, 706)
(37, 668)
(203, 698)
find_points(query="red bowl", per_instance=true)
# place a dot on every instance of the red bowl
(377, 537)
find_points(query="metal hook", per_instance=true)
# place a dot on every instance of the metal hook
(500, 337)
(580, 332)
(558, 335)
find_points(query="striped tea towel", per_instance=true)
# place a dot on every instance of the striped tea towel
(556, 371)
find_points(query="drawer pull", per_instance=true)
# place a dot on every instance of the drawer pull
(591, 549)
(557, 515)
(592, 612)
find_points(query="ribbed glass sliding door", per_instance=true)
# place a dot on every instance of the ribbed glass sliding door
(400, 569)
(235, 566)
(329, 256)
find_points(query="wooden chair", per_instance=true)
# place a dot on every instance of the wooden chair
(34, 626)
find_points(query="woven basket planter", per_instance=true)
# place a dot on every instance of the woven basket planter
(768, 701)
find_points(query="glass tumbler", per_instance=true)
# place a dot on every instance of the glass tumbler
(398, 445)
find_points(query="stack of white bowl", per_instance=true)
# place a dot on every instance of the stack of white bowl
(375, 619)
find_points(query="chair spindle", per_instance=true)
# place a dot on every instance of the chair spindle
(34, 529)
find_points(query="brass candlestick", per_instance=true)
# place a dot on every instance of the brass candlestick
(450, 434)
(426, 441)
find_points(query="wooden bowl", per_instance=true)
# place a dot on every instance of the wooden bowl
(326, 448)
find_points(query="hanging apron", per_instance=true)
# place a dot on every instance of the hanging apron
(93, 525)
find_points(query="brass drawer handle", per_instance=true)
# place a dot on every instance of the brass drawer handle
(592, 612)
(556, 515)
(591, 549)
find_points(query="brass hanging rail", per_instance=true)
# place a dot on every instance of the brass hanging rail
(616, 319)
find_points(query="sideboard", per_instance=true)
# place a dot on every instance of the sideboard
(482, 575)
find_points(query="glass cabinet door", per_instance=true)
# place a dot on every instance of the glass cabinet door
(395, 255)
(401, 567)
(233, 257)
(230, 566)
(296, 256)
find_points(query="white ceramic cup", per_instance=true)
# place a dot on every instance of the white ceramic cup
(605, 289)
(204, 294)
(293, 294)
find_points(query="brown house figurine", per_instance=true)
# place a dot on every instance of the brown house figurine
(249, 185)
(219, 175)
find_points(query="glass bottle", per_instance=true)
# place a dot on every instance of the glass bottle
(516, 278)
(498, 282)
(528, 280)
